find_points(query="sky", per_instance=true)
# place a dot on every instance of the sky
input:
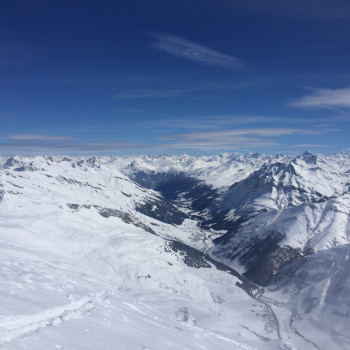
(186, 76)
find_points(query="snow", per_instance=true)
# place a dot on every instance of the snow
(219, 171)
(318, 294)
(284, 184)
(72, 278)
(317, 226)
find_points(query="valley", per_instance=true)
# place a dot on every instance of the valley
(227, 252)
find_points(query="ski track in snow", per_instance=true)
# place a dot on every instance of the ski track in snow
(13, 327)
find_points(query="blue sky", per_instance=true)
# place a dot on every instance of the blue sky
(193, 76)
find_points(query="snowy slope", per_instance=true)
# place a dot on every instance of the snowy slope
(304, 229)
(82, 268)
(304, 179)
(290, 232)
(284, 211)
(91, 259)
(316, 288)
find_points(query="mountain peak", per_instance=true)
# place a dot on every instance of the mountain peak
(308, 157)
(307, 153)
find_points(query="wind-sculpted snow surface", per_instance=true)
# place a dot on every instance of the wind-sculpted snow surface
(106, 252)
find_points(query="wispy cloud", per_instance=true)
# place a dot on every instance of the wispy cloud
(235, 138)
(38, 137)
(204, 146)
(240, 134)
(147, 93)
(325, 98)
(196, 52)
(25, 147)
(218, 121)
(91, 148)
(309, 145)
(221, 140)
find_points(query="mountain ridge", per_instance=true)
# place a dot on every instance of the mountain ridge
(269, 218)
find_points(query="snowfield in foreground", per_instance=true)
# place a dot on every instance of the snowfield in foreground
(91, 259)
(72, 278)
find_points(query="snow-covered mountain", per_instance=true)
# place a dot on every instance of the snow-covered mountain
(304, 179)
(219, 171)
(267, 241)
(173, 251)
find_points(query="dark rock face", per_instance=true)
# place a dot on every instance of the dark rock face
(262, 256)
(63, 179)
(110, 212)
(11, 162)
(48, 158)
(191, 256)
(197, 259)
(254, 251)
(265, 271)
(19, 165)
(73, 206)
(126, 217)
(162, 211)
(308, 158)
(24, 168)
(93, 163)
